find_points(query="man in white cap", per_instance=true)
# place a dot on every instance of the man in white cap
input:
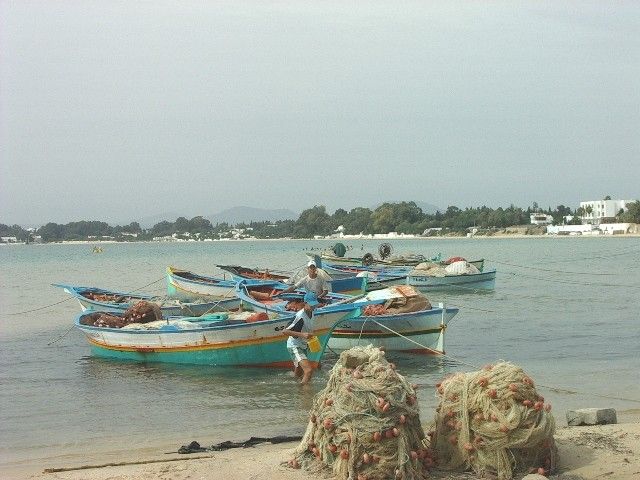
(312, 282)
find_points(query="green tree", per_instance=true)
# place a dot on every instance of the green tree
(358, 220)
(200, 225)
(632, 215)
(181, 225)
(51, 232)
(313, 221)
(162, 229)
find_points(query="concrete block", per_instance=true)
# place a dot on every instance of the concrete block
(591, 416)
(534, 476)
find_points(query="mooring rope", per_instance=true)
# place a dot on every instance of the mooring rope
(625, 251)
(224, 297)
(61, 336)
(572, 282)
(529, 267)
(558, 389)
(424, 346)
(71, 298)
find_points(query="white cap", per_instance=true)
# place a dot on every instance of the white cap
(311, 263)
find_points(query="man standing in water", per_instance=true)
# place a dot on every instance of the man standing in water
(312, 282)
(299, 331)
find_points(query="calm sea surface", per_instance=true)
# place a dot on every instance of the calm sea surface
(61, 407)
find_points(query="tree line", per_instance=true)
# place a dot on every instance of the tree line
(402, 217)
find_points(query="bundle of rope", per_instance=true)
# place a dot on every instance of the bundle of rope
(494, 422)
(365, 423)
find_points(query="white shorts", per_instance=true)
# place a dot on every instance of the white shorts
(297, 354)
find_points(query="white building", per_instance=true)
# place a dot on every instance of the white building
(596, 210)
(541, 219)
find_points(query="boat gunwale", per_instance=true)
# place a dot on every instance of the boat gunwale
(209, 328)
(474, 276)
(143, 297)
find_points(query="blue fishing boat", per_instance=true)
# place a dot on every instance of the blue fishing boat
(219, 340)
(351, 285)
(385, 275)
(101, 300)
(412, 326)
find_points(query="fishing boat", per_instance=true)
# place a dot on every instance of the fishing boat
(349, 285)
(419, 330)
(101, 300)
(238, 273)
(369, 260)
(335, 256)
(191, 286)
(467, 282)
(385, 275)
(218, 339)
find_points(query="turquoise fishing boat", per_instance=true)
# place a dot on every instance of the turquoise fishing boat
(219, 339)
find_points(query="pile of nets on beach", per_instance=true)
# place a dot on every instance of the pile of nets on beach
(365, 423)
(493, 422)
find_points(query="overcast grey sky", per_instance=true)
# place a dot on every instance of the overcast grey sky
(119, 110)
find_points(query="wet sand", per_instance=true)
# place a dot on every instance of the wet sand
(585, 452)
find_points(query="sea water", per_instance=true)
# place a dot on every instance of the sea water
(565, 309)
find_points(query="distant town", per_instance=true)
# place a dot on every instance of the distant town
(389, 220)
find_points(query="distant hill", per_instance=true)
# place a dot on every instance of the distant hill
(426, 207)
(236, 215)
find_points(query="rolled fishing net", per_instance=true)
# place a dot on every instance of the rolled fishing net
(493, 422)
(365, 423)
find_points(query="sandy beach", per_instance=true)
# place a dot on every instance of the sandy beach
(585, 452)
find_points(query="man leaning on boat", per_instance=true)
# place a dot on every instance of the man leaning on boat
(312, 282)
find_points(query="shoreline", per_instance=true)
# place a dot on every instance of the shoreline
(584, 452)
(342, 240)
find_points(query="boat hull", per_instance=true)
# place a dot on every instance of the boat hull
(197, 287)
(168, 308)
(416, 332)
(355, 261)
(259, 344)
(190, 309)
(476, 281)
(395, 274)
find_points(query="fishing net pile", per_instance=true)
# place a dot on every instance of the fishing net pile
(494, 422)
(459, 267)
(404, 299)
(365, 423)
(141, 312)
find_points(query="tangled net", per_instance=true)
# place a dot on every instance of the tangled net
(365, 423)
(141, 312)
(493, 421)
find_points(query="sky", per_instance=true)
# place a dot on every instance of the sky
(120, 110)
